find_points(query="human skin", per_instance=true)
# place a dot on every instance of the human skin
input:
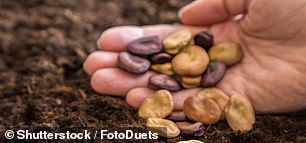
(272, 34)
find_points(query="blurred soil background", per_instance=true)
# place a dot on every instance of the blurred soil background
(43, 44)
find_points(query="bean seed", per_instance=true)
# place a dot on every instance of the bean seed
(178, 40)
(190, 62)
(132, 63)
(163, 127)
(161, 81)
(191, 82)
(146, 46)
(159, 105)
(201, 109)
(177, 116)
(161, 58)
(217, 95)
(239, 113)
(191, 141)
(204, 39)
(191, 129)
(213, 74)
(228, 53)
(165, 68)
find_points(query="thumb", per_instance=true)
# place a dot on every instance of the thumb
(209, 12)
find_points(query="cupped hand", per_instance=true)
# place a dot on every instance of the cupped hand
(272, 33)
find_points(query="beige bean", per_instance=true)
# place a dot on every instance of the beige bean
(191, 82)
(239, 113)
(228, 53)
(159, 105)
(178, 40)
(192, 61)
(165, 68)
(190, 141)
(163, 127)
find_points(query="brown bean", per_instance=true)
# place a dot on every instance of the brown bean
(177, 116)
(146, 46)
(192, 61)
(191, 82)
(191, 129)
(159, 105)
(132, 63)
(161, 58)
(161, 81)
(178, 40)
(217, 95)
(239, 113)
(163, 127)
(213, 74)
(228, 53)
(165, 68)
(204, 39)
(201, 109)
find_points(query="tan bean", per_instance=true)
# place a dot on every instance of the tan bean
(178, 40)
(163, 127)
(159, 105)
(165, 68)
(239, 113)
(205, 110)
(191, 61)
(228, 53)
(191, 82)
(190, 141)
(217, 95)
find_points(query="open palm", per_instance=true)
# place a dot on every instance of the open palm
(272, 34)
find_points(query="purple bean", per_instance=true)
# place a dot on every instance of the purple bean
(146, 46)
(132, 63)
(213, 74)
(191, 129)
(204, 39)
(161, 81)
(161, 58)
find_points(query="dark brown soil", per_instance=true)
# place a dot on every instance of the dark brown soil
(43, 44)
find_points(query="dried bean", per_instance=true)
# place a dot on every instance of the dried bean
(204, 39)
(217, 95)
(239, 113)
(165, 68)
(201, 109)
(190, 62)
(228, 53)
(161, 81)
(159, 105)
(163, 127)
(161, 58)
(178, 40)
(146, 46)
(191, 129)
(177, 116)
(132, 63)
(191, 82)
(191, 141)
(213, 74)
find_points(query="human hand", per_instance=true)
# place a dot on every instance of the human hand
(272, 34)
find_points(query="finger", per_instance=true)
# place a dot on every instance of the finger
(114, 81)
(136, 96)
(100, 59)
(209, 12)
(117, 38)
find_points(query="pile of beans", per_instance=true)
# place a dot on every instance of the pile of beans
(183, 61)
